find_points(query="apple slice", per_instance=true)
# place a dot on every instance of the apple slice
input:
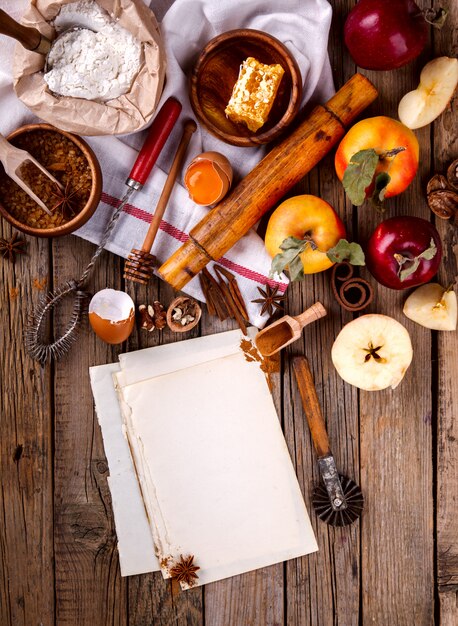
(372, 352)
(432, 306)
(438, 80)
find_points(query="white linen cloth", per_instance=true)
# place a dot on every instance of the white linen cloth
(302, 25)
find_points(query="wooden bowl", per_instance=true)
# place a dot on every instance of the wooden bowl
(94, 198)
(216, 73)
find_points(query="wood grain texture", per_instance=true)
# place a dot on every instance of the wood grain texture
(445, 149)
(58, 557)
(88, 582)
(396, 430)
(26, 496)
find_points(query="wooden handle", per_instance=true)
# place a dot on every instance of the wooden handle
(311, 405)
(157, 136)
(189, 128)
(312, 314)
(30, 38)
(268, 182)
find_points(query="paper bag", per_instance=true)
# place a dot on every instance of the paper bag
(126, 114)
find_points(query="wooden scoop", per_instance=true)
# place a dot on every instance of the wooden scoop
(286, 330)
(30, 38)
(140, 263)
(13, 159)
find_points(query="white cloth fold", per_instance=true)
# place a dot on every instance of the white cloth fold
(302, 25)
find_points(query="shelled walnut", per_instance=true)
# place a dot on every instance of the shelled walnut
(152, 316)
(183, 314)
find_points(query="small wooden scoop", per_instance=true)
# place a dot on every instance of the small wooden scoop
(13, 159)
(29, 38)
(140, 263)
(286, 330)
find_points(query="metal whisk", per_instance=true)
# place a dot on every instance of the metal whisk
(37, 347)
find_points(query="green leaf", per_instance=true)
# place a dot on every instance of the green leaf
(414, 263)
(290, 258)
(345, 251)
(381, 183)
(296, 269)
(359, 174)
(430, 252)
(403, 274)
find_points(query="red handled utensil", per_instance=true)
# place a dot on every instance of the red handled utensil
(140, 264)
(42, 350)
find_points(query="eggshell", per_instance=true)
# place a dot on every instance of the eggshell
(221, 166)
(112, 315)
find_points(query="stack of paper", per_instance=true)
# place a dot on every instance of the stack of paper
(203, 441)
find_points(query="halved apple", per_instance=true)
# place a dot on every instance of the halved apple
(438, 80)
(432, 306)
(372, 352)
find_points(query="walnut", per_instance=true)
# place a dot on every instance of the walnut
(442, 193)
(437, 182)
(444, 203)
(152, 316)
(452, 174)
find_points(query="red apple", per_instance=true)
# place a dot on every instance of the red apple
(385, 34)
(404, 252)
(313, 224)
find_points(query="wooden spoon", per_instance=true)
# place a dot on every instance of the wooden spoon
(286, 330)
(13, 159)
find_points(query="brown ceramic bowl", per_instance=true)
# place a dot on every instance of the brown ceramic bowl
(216, 73)
(94, 198)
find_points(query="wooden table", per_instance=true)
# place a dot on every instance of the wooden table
(399, 566)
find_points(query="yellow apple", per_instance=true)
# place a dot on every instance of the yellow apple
(306, 217)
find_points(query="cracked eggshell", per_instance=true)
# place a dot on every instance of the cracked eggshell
(221, 165)
(112, 315)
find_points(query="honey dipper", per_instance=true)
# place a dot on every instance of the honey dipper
(140, 263)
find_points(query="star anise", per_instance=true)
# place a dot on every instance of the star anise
(66, 200)
(10, 247)
(185, 570)
(270, 300)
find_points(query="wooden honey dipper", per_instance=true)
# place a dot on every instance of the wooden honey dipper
(140, 264)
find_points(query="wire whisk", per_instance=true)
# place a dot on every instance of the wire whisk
(34, 335)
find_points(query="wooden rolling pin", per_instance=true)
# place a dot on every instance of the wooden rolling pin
(268, 182)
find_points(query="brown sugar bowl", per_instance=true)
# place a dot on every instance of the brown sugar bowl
(72, 162)
(216, 73)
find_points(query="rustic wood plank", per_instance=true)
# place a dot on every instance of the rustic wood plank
(89, 589)
(396, 430)
(446, 149)
(26, 496)
(324, 588)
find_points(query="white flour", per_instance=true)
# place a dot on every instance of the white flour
(98, 65)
